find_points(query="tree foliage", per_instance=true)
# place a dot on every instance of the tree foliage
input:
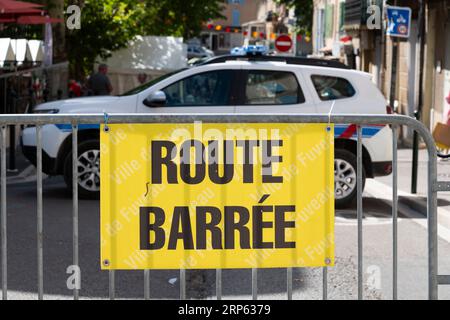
(180, 17)
(109, 25)
(304, 11)
(106, 26)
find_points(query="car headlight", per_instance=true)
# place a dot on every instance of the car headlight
(46, 111)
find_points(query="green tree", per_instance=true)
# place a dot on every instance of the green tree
(180, 17)
(109, 25)
(106, 26)
(56, 10)
(304, 11)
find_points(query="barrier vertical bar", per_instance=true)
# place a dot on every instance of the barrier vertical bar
(75, 203)
(3, 215)
(289, 283)
(359, 183)
(255, 284)
(40, 245)
(219, 284)
(183, 284)
(394, 213)
(325, 283)
(112, 285)
(147, 284)
(433, 292)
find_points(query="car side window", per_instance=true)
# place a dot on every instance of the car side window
(332, 88)
(211, 88)
(272, 88)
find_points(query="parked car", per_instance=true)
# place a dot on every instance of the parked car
(198, 52)
(232, 84)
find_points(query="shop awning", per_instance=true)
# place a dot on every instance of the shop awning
(37, 20)
(254, 23)
(36, 48)
(6, 51)
(11, 6)
(21, 50)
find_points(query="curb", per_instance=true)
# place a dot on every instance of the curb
(417, 204)
(410, 201)
(406, 201)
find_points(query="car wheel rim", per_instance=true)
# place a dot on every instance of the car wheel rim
(345, 179)
(89, 170)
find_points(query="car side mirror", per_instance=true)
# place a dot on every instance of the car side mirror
(156, 99)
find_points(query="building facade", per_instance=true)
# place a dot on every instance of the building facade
(253, 22)
(224, 34)
(328, 23)
(437, 62)
(355, 35)
(272, 21)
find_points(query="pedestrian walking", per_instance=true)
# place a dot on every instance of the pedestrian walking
(99, 83)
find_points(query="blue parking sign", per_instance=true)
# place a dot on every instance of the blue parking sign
(399, 21)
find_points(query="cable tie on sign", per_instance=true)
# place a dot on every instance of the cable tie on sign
(106, 128)
(329, 115)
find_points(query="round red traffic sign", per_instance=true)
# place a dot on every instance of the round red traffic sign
(283, 43)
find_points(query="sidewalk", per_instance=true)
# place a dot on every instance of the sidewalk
(418, 202)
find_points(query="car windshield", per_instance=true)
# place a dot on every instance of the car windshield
(150, 83)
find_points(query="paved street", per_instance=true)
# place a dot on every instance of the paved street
(22, 280)
(404, 173)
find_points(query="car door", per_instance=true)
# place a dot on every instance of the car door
(273, 91)
(205, 91)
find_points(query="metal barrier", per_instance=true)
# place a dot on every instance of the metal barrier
(434, 279)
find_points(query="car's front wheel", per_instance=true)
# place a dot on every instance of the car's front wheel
(345, 168)
(88, 169)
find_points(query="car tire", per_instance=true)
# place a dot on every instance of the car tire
(88, 168)
(345, 168)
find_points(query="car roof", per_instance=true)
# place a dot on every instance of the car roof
(319, 65)
(284, 59)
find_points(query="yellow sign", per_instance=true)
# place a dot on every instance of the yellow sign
(207, 196)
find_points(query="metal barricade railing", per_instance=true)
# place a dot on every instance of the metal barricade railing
(434, 279)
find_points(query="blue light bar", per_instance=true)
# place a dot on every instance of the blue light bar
(249, 50)
(255, 49)
(238, 51)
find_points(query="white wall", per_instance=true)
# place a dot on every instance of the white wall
(150, 53)
(153, 56)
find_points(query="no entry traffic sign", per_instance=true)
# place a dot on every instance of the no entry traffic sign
(283, 43)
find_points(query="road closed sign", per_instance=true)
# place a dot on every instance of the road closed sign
(217, 196)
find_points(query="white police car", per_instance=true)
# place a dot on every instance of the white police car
(231, 84)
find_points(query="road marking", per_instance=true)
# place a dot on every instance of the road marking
(368, 221)
(27, 171)
(27, 175)
(384, 192)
